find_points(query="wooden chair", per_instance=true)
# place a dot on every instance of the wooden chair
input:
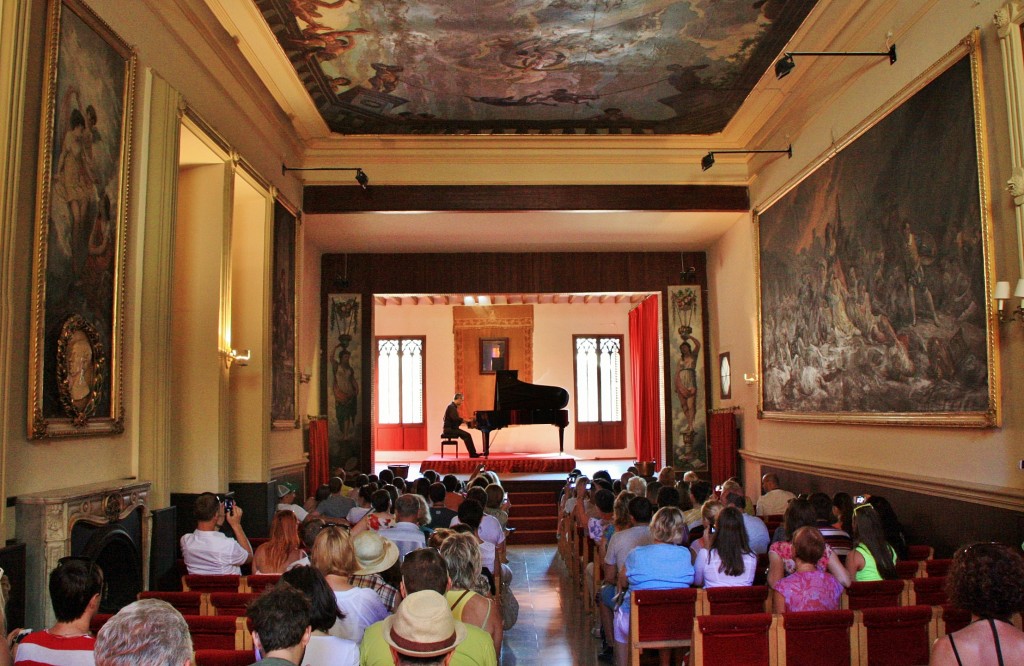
(873, 594)
(937, 568)
(751, 640)
(896, 636)
(217, 632)
(927, 591)
(187, 603)
(201, 583)
(660, 619)
(818, 638)
(223, 658)
(743, 600)
(258, 583)
(233, 604)
(920, 553)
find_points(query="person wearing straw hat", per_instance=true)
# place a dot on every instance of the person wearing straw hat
(423, 627)
(375, 555)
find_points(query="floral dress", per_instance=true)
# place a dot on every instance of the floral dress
(810, 591)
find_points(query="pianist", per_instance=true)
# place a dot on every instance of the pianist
(452, 421)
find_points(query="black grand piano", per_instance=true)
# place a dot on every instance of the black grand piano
(518, 403)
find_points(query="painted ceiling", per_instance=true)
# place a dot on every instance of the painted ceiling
(531, 66)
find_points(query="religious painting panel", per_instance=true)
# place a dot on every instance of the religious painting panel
(81, 219)
(873, 270)
(688, 434)
(345, 397)
(284, 382)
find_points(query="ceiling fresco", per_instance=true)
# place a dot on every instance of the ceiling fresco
(531, 66)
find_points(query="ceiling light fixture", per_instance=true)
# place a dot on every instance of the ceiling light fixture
(708, 160)
(361, 177)
(785, 64)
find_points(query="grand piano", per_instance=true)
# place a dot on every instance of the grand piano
(519, 403)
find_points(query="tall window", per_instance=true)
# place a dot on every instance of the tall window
(400, 380)
(598, 362)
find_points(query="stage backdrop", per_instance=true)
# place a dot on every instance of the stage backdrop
(874, 270)
(688, 433)
(345, 397)
(470, 324)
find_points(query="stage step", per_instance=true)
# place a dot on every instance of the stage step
(534, 511)
(533, 537)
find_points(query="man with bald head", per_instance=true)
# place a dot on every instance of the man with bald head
(773, 500)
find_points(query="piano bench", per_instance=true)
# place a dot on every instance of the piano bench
(449, 441)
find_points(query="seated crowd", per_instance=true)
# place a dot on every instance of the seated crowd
(662, 534)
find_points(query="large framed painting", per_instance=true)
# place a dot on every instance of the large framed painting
(688, 435)
(344, 360)
(284, 394)
(81, 218)
(873, 270)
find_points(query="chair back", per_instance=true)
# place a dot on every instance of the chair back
(761, 572)
(258, 583)
(907, 569)
(743, 600)
(214, 632)
(233, 604)
(186, 603)
(895, 636)
(937, 568)
(817, 638)
(660, 616)
(928, 591)
(952, 618)
(873, 594)
(204, 583)
(97, 621)
(223, 657)
(918, 553)
(735, 639)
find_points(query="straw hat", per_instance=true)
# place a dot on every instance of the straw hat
(423, 626)
(374, 552)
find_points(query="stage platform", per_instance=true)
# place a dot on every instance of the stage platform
(509, 463)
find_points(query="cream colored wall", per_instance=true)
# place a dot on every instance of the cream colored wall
(554, 326)
(981, 464)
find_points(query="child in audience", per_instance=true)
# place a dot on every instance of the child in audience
(709, 514)
(728, 562)
(873, 558)
(808, 588)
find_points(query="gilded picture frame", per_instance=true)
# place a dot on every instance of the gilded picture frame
(81, 222)
(874, 268)
(284, 308)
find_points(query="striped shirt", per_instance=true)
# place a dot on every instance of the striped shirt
(41, 648)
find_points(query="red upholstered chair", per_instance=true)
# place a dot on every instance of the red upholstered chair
(258, 583)
(952, 618)
(660, 619)
(215, 632)
(230, 603)
(201, 583)
(874, 594)
(735, 639)
(761, 573)
(223, 657)
(894, 636)
(936, 568)
(818, 638)
(772, 522)
(187, 603)
(907, 569)
(918, 553)
(735, 600)
(97, 621)
(928, 591)
(696, 533)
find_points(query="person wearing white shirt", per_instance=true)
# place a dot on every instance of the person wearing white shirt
(286, 500)
(209, 551)
(774, 500)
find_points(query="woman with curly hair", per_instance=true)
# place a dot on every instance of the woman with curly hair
(281, 552)
(988, 580)
(872, 557)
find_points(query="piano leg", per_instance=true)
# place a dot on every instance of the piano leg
(561, 440)
(487, 443)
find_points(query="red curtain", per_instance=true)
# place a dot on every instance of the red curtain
(643, 356)
(724, 445)
(318, 471)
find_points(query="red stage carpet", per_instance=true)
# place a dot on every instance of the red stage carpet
(505, 463)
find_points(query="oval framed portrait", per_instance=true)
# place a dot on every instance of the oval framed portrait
(80, 361)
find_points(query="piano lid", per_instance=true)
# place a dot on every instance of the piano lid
(510, 393)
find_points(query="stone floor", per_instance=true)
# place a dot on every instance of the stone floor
(552, 629)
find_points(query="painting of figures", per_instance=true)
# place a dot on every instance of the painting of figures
(344, 369)
(80, 227)
(873, 273)
(689, 432)
(282, 408)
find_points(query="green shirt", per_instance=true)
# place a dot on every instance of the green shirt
(870, 570)
(476, 650)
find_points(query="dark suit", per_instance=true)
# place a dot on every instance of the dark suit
(452, 421)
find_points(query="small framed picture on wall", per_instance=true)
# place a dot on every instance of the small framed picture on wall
(493, 355)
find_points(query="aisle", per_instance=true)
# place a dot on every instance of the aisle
(552, 629)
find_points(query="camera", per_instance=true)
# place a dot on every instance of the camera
(229, 503)
(859, 499)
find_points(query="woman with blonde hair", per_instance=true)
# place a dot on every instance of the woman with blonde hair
(282, 551)
(466, 595)
(709, 514)
(334, 557)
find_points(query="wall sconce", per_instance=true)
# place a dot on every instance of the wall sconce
(708, 160)
(239, 356)
(361, 177)
(750, 379)
(1003, 294)
(785, 64)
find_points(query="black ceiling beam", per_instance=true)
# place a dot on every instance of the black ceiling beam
(492, 198)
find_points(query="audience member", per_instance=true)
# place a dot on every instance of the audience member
(781, 560)
(667, 476)
(731, 485)
(440, 515)
(709, 513)
(621, 544)
(986, 579)
(286, 491)
(281, 628)
(728, 561)
(431, 475)
(453, 487)
(690, 476)
(773, 500)
(495, 503)
(638, 486)
(488, 530)
(466, 593)
(808, 588)
(836, 538)
(386, 477)
(757, 531)
(653, 488)
(873, 558)
(894, 533)
(208, 550)
(380, 515)
(421, 487)
(423, 631)
(322, 649)
(842, 512)
(358, 482)
(323, 491)
(143, 633)
(309, 531)
(334, 557)
(5, 646)
(375, 557)
(700, 492)
(281, 552)
(405, 532)
(363, 503)
(338, 504)
(76, 588)
(668, 496)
